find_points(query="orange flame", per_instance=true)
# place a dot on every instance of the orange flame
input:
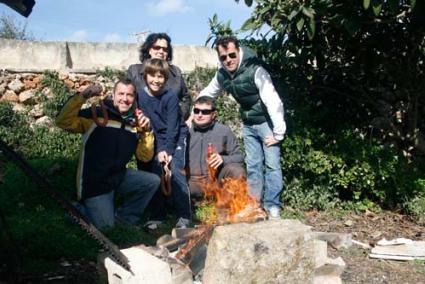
(232, 202)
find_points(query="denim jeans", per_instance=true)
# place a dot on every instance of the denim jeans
(180, 195)
(137, 189)
(263, 165)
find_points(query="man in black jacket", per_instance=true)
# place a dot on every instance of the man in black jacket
(112, 134)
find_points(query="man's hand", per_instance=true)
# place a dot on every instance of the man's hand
(143, 122)
(270, 140)
(163, 157)
(91, 91)
(189, 120)
(215, 161)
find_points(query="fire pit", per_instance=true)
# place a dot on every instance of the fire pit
(235, 245)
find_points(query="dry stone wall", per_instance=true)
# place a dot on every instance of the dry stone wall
(27, 93)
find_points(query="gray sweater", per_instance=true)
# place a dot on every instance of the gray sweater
(223, 140)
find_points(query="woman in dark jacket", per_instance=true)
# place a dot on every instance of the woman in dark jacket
(158, 45)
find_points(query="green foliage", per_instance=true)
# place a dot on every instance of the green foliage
(10, 28)
(37, 222)
(218, 29)
(35, 142)
(416, 206)
(32, 215)
(61, 93)
(110, 73)
(354, 75)
(204, 212)
(225, 104)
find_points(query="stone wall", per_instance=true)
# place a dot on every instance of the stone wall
(37, 56)
(23, 62)
(26, 92)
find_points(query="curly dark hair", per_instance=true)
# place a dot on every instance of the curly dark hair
(225, 40)
(150, 41)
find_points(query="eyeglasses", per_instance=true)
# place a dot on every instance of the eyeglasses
(202, 111)
(231, 55)
(158, 47)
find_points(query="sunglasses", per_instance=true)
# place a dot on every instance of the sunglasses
(157, 47)
(203, 111)
(231, 55)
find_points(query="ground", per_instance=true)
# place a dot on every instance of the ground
(369, 228)
(366, 227)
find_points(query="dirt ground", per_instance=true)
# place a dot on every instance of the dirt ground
(367, 228)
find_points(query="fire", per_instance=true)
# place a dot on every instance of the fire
(231, 202)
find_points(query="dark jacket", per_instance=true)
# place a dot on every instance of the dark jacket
(175, 83)
(223, 140)
(106, 150)
(166, 121)
(242, 86)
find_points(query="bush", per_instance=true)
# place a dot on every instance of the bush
(416, 206)
(62, 93)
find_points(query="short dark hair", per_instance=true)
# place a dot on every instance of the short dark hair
(154, 65)
(125, 81)
(225, 40)
(150, 41)
(206, 100)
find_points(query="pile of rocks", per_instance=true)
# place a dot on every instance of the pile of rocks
(27, 93)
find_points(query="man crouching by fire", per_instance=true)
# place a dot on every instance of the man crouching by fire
(112, 133)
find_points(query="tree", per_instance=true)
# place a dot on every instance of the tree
(355, 77)
(10, 28)
(362, 61)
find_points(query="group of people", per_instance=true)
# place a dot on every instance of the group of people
(150, 115)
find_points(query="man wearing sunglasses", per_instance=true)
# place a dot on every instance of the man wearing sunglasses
(227, 158)
(261, 110)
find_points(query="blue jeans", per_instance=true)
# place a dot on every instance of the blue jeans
(180, 195)
(263, 165)
(137, 189)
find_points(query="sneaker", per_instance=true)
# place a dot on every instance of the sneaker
(153, 225)
(274, 213)
(183, 223)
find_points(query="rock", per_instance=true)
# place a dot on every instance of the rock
(62, 76)
(10, 96)
(37, 111)
(16, 86)
(278, 251)
(69, 83)
(44, 121)
(27, 97)
(146, 268)
(29, 84)
(2, 89)
(19, 108)
(48, 93)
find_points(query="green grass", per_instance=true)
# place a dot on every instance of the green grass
(420, 266)
(37, 222)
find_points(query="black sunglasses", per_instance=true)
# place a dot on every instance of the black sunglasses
(157, 47)
(224, 56)
(203, 111)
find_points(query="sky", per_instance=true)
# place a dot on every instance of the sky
(186, 21)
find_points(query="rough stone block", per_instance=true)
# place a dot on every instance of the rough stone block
(146, 268)
(280, 251)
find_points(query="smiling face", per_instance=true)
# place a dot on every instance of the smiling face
(155, 81)
(229, 56)
(124, 97)
(159, 49)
